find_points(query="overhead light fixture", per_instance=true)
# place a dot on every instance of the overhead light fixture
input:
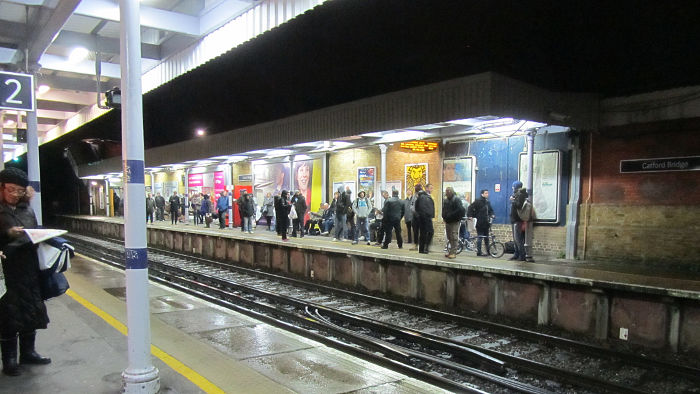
(200, 132)
(401, 136)
(77, 55)
(43, 88)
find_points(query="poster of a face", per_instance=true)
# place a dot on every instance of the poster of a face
(272, 177)
(458, 174)
(415, 174)
(303, 174)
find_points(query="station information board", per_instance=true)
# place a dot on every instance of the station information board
(16, 91)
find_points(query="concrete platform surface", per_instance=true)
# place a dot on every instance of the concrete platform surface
(197, 347)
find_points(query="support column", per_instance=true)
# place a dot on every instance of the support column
(382, 149)
(187, 195)
(91, 196)
(33, 158)
(108, 202)
(229, 193)
(140, 376)
(575, 193)
(530, 162)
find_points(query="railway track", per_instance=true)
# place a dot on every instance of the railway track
(454, 352)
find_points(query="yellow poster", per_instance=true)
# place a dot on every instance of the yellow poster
(416, 174)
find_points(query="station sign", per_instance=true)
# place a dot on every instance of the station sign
(665, 164)
(16, 91)
(419, 146)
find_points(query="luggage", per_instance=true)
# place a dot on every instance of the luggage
(510, 247)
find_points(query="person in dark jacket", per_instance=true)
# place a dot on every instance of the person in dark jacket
(160, 207)
(174, 208)
(246, 207)
(150, 207)
(22, 308)
(408, 215)
(393, 211)
(381, 228)
(300, 207)
(452, 214)
(205, 210)
(341, 213)
(517, 199)
(282, 208)
(425, 210)
(482, 211)
(414, 216)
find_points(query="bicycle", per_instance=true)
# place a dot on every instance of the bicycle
(496, 248)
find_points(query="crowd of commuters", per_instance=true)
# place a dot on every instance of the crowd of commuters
(356, 220)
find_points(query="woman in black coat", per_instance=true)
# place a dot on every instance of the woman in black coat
(282, 208)
(22, 308)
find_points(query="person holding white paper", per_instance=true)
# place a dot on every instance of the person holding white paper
(22, 307)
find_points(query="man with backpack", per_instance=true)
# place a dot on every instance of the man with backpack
(483, 212)
(516, 202)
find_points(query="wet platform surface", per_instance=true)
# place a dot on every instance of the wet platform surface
(676, 280)
(200, 347)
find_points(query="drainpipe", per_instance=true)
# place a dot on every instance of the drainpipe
(530, 162)
(573, 210)
(588, 197)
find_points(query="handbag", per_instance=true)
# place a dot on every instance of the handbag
(293, 213)
(54, 259)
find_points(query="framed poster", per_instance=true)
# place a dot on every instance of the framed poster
(366, 178)
(345, 185)
(415, 174)
(459, 174)
(545, 183)
(271, 177)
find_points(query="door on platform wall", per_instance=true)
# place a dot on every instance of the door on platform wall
(236, 194)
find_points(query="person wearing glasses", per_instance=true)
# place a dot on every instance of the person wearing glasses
(22, 307)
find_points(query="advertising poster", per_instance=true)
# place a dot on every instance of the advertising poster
(208, 182)
(415, 174)
(345, 185)
(308, 180)
(366, 178)
(272, 178)
(545, 184)
(458, 174)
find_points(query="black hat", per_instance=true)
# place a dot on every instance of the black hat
(14, 175)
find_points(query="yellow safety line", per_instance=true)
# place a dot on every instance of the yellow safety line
(199, 380)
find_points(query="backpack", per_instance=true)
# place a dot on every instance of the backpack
(526, 213)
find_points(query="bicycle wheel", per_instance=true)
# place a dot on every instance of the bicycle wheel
(458, 249)
(497, 249)
(469, 244)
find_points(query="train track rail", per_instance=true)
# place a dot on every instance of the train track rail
(454, 352)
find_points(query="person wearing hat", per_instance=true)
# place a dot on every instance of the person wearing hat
(22, 308)
(516, 201)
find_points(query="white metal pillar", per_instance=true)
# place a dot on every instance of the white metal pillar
(187, 195)
(378, 196)
(108, 204)
(91, 195)
(530, 163)
(2, 142)
(229, 194)
(33, 160)
(140, 376)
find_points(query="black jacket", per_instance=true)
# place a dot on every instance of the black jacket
(482, 211)
(393, 210)
(300, 206)
(22, 308)
(342, 204)
(246, 206)
(452, 210)
(519, 198)
(174, 203)
(160, 201)
(425, 206)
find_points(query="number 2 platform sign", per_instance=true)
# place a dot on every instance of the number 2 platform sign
(16, 91)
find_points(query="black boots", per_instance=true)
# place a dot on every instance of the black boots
(9, 357)
(27, 354)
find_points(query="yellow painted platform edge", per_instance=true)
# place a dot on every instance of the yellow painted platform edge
(169, 360)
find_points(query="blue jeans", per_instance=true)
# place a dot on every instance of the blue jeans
(327, 225)
(247, 223)
(519, 241)
(362, 228)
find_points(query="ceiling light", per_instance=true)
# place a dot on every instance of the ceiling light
(77, 55)
(43, 88)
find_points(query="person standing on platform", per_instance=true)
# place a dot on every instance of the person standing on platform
(268, 209)
(482, 211)
(196, 208)
(150, 207)
(247, 212)
(414, 216)
(381, 228)
(517, 199)
(452, 214)
(22, 308)
(425, 210)
(393, 212)
(222, 206)
(341, 206)
(174, 202)
(160, 207)
(300, 207)
(205, 210)
(408, 216)
(282, 208)
(362, 207)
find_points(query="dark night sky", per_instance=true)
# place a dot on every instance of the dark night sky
(347, 50)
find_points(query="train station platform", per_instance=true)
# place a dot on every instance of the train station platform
(648, 305)
(196, 346)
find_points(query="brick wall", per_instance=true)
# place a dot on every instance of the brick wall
(343, 165)
(241, 168)
(641, 217)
